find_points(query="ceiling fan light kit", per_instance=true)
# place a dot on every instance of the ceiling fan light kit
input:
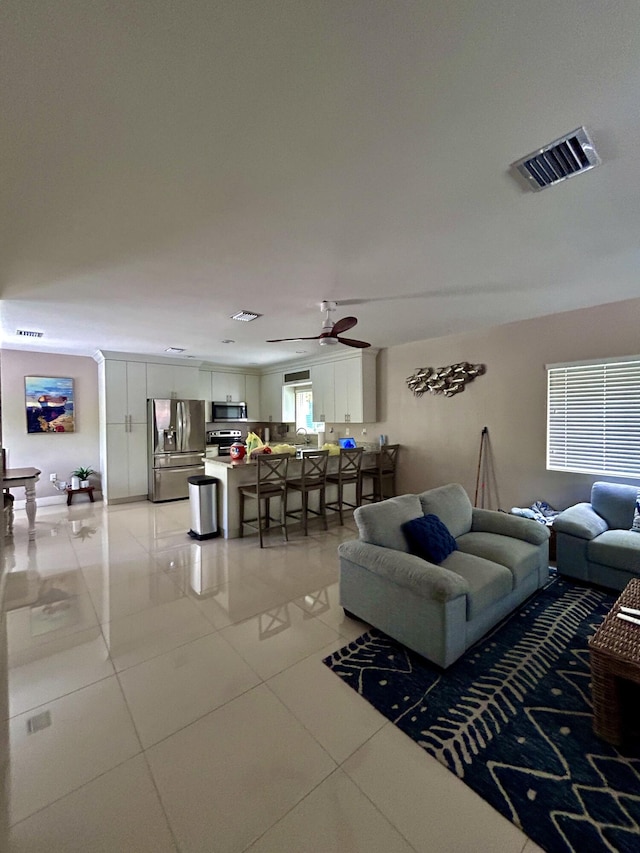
(330, 330)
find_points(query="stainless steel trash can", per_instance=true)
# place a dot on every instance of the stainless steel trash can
(204, 507)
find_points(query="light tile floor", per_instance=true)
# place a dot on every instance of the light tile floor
(184, 707)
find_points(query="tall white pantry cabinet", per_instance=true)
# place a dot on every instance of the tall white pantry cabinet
(123, 428)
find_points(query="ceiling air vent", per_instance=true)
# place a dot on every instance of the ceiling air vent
(245, 316)
(27, 334)
(562, 159)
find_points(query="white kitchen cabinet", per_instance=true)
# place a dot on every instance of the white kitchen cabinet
(204, 385)
(322, 384)
(271, 397)
(125, 471)
(252, 396)
(173, 381)
(355, 389)
(125, 391)
(228, 387)
(123, 428)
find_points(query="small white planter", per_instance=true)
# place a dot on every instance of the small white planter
(84, 484)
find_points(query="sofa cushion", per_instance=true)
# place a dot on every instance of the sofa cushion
(381, 523)
(520, 557)
(429, 538)
(488, 582)
(618, 549)
(615, 502)
(452, 506)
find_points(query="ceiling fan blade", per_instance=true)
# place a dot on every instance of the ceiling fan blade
(284, 340)
(343, 325)
(350, 342)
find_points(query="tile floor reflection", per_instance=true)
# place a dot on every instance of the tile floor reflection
(169, 695)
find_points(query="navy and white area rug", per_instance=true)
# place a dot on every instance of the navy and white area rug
(512, 718)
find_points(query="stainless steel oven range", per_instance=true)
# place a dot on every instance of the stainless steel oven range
(224, 438)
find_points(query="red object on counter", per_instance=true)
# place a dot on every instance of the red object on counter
(237, 450)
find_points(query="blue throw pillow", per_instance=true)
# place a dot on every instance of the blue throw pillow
(429, 538)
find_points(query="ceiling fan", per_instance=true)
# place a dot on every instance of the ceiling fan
(330, 330)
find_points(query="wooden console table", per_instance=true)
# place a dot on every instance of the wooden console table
(27, 479)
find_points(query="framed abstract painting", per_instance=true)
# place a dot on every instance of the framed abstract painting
(50, 404)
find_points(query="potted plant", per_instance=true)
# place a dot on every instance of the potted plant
(82, 475)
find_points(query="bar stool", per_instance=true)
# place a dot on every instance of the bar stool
(383, 472)
(349, 465)
(271, 482)
(313, 477)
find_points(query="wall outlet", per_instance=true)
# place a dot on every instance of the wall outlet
(53, 478)
(347, 431)
(364, 432)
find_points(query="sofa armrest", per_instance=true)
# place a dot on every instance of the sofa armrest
(580, 520)
(407, 570)
(491, 521)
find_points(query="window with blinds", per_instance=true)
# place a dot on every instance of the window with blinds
(593, 418)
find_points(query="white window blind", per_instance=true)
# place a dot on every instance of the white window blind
(593, 418)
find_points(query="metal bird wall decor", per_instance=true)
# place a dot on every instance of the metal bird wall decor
(444, 380)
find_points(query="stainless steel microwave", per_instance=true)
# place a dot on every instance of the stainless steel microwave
(225, 411)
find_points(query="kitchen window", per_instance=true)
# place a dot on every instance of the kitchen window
(304, 410)
(593, 417)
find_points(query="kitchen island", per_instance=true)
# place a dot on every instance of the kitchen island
(230, 474)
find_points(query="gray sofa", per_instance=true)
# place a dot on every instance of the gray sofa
(440, 610)
(594, 541)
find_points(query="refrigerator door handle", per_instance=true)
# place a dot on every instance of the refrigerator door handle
(186, 426)
(180, 418)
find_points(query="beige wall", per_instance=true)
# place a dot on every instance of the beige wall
(59, 453)
(441, 436)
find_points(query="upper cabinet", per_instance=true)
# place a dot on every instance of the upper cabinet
(271, 397)
(204, 389)
(125, 391)
(228, 387)
(322, 386)
(167, 381)
(355, 389)
(344, 391)
(252, 396)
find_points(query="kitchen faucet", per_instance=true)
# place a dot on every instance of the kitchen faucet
(303, 430)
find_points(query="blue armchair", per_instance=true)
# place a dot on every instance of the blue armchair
(595, 542)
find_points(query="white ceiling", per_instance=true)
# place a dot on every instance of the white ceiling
(169, 162)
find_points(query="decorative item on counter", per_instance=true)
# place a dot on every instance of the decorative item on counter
(253, 442)
(444, 380)
(237, 451)
(284, 448)
(257, 451)
(334, 449)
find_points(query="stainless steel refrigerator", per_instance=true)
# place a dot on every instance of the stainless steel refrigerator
(176, 447)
